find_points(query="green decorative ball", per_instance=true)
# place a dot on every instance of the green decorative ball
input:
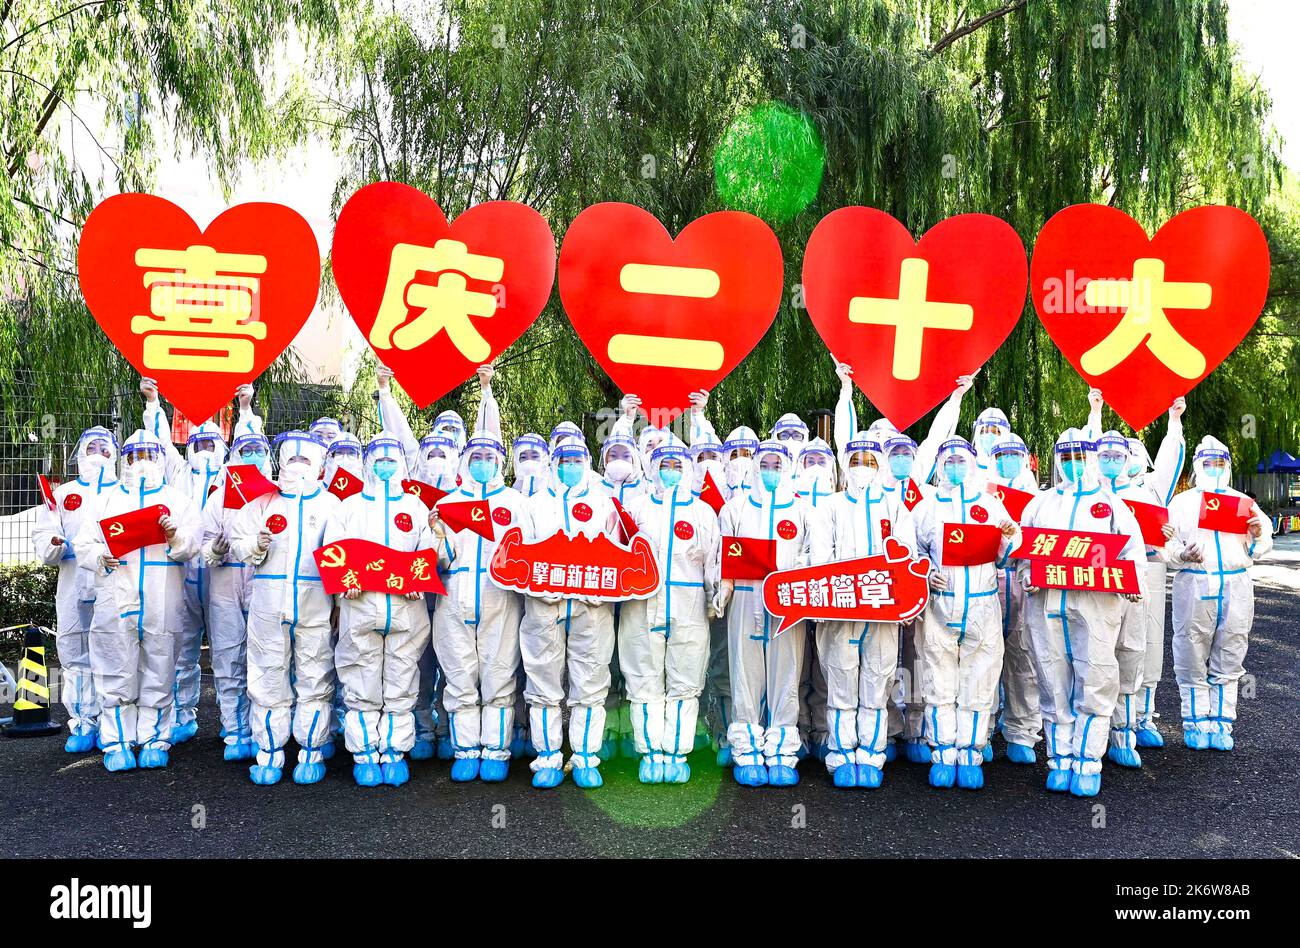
(769, 162)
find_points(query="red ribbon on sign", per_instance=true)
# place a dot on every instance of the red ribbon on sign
(130, 531)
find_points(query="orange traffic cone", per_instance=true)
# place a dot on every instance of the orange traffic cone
(32, 703)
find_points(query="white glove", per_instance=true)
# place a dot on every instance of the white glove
(1026, 585)
(263, 540)
(1192, 553)
(938, 581)
(107, 563)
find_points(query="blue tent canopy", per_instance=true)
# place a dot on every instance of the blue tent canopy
(1280, 462)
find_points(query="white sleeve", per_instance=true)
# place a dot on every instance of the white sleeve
(489, 416)
(393, 420)
(943, 428)
(846, 421)
(249, 422)
(48, 526)
(1168, 465)
(156, 424)
(701, 428)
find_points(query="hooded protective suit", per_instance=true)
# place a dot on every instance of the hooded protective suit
(663, 641)
(132, 634)
(990, 427)
(624, 481)
(1214, 599)
(381, 635)
(765, 666)
(290, 655)
(816, 481)
(530, 461)
(476, 625)
(74, 596)
(860, 659)
(961, 647)
(343, 454)
(1074, 631)
(941, 429)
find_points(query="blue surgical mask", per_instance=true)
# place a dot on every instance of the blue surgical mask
(900, 465)
(1135, 469)
(986, 442)
(956, 472)
(1110, 467)
(385, 468)
(1072, 468)
(670, 477)
(256, 458)
(482, 471)
(1008, 465)
(569, 473)
(771, 477)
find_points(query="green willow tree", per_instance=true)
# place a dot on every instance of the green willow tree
(926, 108)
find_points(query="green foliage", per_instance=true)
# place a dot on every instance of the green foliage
(769, 163)
(26, 595)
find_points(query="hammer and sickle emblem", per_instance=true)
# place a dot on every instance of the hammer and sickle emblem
(235, 478)
(957, 536)
(476, 515)
(911, 494)
(1211, 503)
(343, 483)
(333, 557)
(735, 550)
(115, 529)
(416, 490)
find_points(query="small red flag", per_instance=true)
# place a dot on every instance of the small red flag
(911, 494)
(345, 484)
(627, 528)
(130, 531)
(1150, 517)
(970, 544)
(1224, 513)
(747, 557)
(1014, 500)
(710, 493)
(427, 493)
(47, 491)
(244, 482)
(475, 515)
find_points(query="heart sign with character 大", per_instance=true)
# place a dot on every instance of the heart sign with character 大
(911, 316)
(436, 300)
(201, 310)
(1146, 319)
(665, 317)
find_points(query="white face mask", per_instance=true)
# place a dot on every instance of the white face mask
(860, 477)
(298, 472)
(618, 470)
(528, 468)
(819, 474)
(738, 469)
(440, 468)
(148, 473)
(349, 463)
(712, 466)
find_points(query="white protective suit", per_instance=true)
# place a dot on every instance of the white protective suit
(663, 641)
(533, 474)
(381, 635)
(816, 481)
(133, 635)
(74, 594)
(1074, 632)
(476, 625)
(961, 641)
(859, 660)
(766, 666)
(290, 655)
(1214, 601)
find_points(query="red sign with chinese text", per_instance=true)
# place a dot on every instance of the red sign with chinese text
(1070, 546)
(576, 566)
(373, 567)
(1119, 576)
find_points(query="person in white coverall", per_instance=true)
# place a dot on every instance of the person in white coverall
(961, 645)
(133, 637)
(1022, 721)
(1074, 632)
(290, 657)
(664, 640)
(343, 454)
(766, 666)
(568, 634)
(1129, 473)
(74, 593)
(531, 463)
(476, 624)
(1214, 598)
(859, 660)
(816, 481)
(381, 634)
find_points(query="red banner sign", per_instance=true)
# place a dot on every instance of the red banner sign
(244, 482)
(1117, 577)
(130, 531)
(1014, 500)
(373, 567)
(970, 544)
(1224, 513)
(887, 587)
(1150, 518)
(1070, 546)
(576, 566)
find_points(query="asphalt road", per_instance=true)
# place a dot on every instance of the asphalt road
(1242, 804)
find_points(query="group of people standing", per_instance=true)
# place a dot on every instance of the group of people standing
(483, 675)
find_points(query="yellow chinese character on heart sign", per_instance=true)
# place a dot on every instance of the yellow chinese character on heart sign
(444, 305)
(199, 301)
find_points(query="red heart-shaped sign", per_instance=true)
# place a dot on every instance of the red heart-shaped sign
(199, 311)
(910, 316)
(1145, 320)
(437, 300)
(667, 317)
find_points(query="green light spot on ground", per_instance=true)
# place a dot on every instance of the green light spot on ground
(769, 163)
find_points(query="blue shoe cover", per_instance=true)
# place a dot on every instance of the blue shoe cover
(1222, 742)
(750, 775)
(327, 750)
(970, 776)
(305, 773)
(395, 772)
(445, 749)
(779, 775)
(942, 775)
(99, 743)
(465, 769)
(422, 750)
(677, 771)
(609, 748)
(1196, 739)
(987, 751)
(918, 752)
(153, 757)
(845, 775)
(518, 744)
(183, 732)
(120, 759)
(367, 775)
(587, 777)
(650, 771)
(724, 756)
(819, 751)
(79, 743)
(1058, 781)
(627, 748)
(240, 750)
(870, 777)
(1124, 756)
(1085, 785)
(1021, 754)
(891, 752)
(264, 776)
(548, 777)
(493, 771)
(801, 753)
(1148, 735)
